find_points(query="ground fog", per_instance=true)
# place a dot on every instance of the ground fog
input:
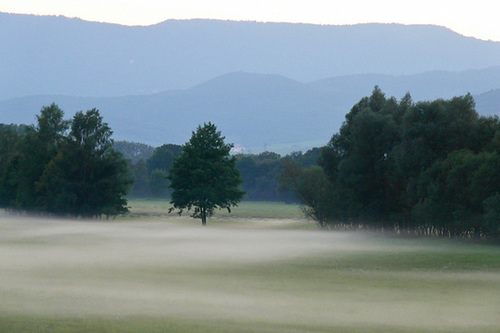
(221, 279)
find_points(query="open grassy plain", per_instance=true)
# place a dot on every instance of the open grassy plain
(245, 209)
(245, 273)
(246, 215)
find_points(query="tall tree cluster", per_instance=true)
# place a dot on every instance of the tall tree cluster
(428, 167)
(63, 167)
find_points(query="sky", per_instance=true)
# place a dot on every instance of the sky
(477, 18)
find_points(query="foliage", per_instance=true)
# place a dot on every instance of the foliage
(150, 171)
(50, 170)
(311, 188)
(140, 188)
(158, 165)
(260, 172)
(38, 147)
(428, 167)
(134, 151)
(9, 146)
(159, 183)
(163, 157)
(204, 177)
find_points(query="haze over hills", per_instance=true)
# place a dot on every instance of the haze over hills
(58, 55)
(489, 102)
(155, 84)
(259, 111)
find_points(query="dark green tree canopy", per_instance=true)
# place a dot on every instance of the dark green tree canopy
(87, 178)
(134, 151)
(204, 177)
(10, 141)
(260, 172)
(428, 167)
(46, 169)
(39, 145)
(163, 157)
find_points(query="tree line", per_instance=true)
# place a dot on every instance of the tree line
(63, 167)
(260, 172)
(430, 167)
(74, 168)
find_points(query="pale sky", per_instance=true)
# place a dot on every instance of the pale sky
(479, 18)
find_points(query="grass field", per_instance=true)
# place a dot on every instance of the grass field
(245, 215)
(246, 273)
(245, 209)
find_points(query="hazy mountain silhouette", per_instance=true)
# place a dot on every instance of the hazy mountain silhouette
(489, 102)
(58, 55)
(258, 111)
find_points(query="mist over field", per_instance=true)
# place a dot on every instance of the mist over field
(174, 274)
(425, 166)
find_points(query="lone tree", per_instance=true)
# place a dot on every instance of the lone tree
(204, 176)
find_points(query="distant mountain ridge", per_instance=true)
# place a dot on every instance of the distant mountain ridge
(489, 102)
(259, 111)
(422, 86)
(57, 55)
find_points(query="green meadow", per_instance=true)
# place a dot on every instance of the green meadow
(246, 209)
(260, 269)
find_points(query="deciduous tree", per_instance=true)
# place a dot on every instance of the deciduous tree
(87, 177)
(204, 177)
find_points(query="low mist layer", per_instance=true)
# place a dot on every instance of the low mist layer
(221, 279)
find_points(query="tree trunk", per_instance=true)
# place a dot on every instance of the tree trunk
(203, 217)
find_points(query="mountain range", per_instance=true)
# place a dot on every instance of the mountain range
(257, 111)
(59, 55)
(273, 86)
